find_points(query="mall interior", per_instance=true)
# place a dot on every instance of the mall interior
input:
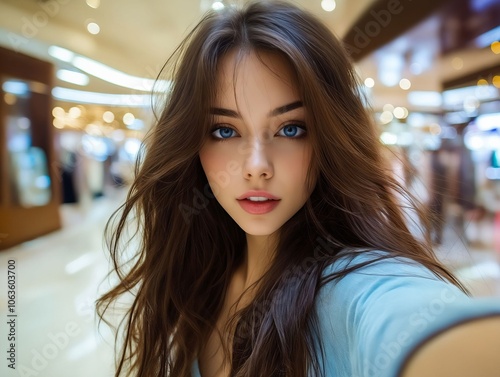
(77, 98)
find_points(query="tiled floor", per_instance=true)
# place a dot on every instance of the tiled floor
(60, 275)
(58, 279)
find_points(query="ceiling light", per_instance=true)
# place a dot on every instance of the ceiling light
(112, 75)
(369, 82)
(405, 84)
(75, 112)
(72, 77)
(94, 3)
(58, 112)
(217, 5)
(328, 5)
(400, 112)
(128, 119)
(105, 72)
(108, 116)
(58, 123)
(80, 96)
(386, 117)
(61, 53)
(93, 28)
(388, 107)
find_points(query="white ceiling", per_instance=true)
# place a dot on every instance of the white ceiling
(136, 37)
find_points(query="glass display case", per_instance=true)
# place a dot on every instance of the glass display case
(29, 193)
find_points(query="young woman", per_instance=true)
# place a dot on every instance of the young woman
(272, 241)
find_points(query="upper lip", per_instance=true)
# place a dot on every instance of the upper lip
(264, 194)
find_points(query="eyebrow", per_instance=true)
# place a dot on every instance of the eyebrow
(278, 111)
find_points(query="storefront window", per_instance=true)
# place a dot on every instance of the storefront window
(29, 178)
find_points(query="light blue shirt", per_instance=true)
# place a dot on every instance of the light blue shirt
(371, 320)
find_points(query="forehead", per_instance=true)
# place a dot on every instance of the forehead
(253, 76)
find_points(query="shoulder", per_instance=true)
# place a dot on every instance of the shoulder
(382, 290)
(380, 276)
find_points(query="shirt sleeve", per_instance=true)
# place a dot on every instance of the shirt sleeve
(371, 320)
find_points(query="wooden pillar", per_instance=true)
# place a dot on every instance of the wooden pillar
(22, 220)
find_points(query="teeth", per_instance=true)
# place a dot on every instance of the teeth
(257, 198)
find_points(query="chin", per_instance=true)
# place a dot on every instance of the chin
(259, 229)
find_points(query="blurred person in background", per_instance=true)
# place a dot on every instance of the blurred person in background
(438, 193)
(490, 195)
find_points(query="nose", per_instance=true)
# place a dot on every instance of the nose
(257, 162)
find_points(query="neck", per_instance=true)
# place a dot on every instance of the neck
(259, 254)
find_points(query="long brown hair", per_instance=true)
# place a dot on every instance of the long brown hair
(189, 246)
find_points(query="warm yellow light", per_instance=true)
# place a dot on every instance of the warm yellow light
(496, 81)
(58, 123)
(128, 119)
(94, 3)
(58, 112)
(75, 112)
(9, 98)
(482, 82)
(495, 47)
(108, 116)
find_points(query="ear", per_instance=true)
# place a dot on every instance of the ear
(465, 350)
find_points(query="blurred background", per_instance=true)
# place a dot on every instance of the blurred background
(75, 103)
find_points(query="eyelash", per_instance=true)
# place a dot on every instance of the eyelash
(298, 125)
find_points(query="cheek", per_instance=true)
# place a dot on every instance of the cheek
(214, 158)
(208, 160)
(296, 162)
(218, 165)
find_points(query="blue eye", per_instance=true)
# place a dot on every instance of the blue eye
(223, 133)
(292, 131)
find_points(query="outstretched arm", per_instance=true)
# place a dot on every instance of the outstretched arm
(468, 349)
(394, 318)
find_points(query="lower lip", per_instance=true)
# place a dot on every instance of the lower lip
(258, 208)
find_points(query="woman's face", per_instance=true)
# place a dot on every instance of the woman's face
(257, 156)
